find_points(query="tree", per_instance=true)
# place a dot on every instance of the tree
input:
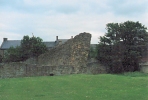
(93, 51)
(30, 47)
(1, 58)
(25, 47)
(13, 54)
(37, 46)
(122, 46)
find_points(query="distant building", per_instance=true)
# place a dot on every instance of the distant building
(6, 44)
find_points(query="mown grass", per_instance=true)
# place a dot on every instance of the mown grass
(76, 87)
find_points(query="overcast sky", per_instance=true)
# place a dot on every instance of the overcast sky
(65, 18)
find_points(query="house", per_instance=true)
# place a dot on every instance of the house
(6, 44)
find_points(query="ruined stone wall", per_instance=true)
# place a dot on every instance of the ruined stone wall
(144, 61)
(68, 58)
(18, 69)
(74, 52)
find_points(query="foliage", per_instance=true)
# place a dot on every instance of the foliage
(93, 52)
(122, 46)
(13, 54)
(1, 58)
(30, 47)
(75, 87)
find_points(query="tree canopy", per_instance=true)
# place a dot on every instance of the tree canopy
(122, 45)
(30, 47)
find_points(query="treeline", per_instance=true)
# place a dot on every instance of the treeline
(30, 47)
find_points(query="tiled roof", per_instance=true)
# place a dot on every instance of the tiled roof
(50, 44)
(63, 40)
(13, 43)
(9, 43)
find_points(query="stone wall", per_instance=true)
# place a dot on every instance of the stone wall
(144, 61)
(74, 52)
(18, 69)
(144, 67)
(68, 58)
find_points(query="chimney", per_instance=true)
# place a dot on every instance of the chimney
(5, 39)
(56, 38)
(71, 37)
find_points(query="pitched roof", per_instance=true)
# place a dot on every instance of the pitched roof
(9, 43)
(14, 43)
(50, 44)
(62, 40)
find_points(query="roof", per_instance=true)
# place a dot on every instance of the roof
(50, 44)
(10, 43)
(14, 43)
(63, 40)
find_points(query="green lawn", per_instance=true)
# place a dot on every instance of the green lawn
(76, 87)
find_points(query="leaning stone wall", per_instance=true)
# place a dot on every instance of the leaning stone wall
(74, 52)
(68, 58)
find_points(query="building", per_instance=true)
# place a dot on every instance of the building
(6, 44)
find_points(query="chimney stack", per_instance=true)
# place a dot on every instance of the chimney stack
(5, 39)
(56, 38)
(71, 37)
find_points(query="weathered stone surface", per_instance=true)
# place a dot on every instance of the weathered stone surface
(144, 67)
(144, 61)
(17, 69)
(68, 58)
(74, 52)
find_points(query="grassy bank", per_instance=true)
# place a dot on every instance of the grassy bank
(76, 87)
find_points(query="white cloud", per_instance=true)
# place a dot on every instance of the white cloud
(66, 18)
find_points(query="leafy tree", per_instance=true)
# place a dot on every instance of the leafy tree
(93, 51)
(37, 46)
(121, 47)
(25, 47)
(1, 58)
(13, 54)
(30, 47)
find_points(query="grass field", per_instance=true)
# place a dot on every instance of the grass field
(130, 86)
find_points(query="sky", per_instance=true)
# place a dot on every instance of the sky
(65, 18)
